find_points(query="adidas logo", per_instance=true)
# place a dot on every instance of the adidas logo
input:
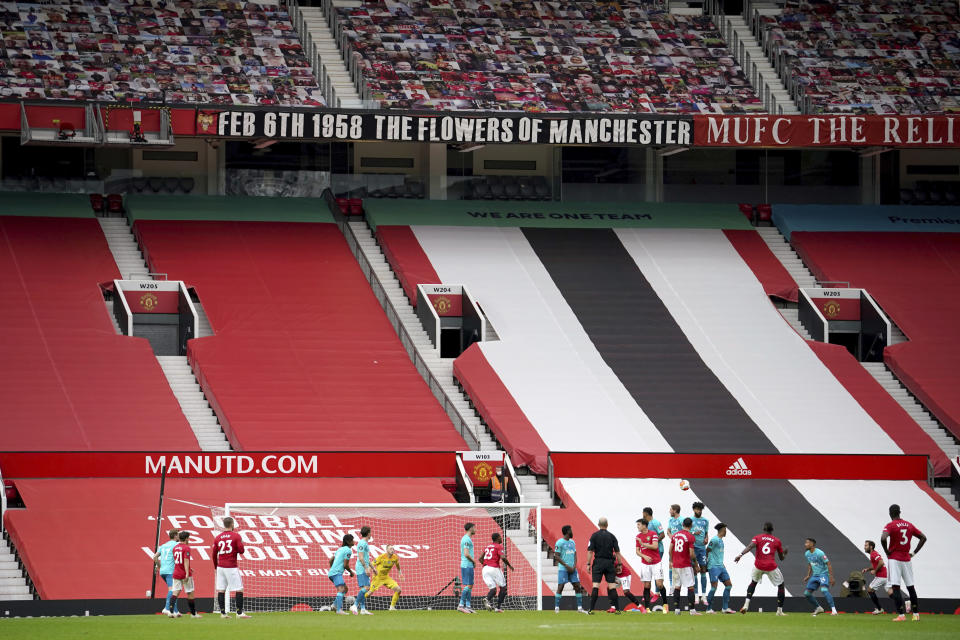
(739, 468)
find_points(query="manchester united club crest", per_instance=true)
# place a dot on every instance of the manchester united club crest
(483, 472)
(442, 304)
(148, 301)
(831, 309)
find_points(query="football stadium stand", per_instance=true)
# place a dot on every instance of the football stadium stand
(889, 57)
(575, 56)
(303, 357)
(198, 52)
(68, 381)
(913, 276)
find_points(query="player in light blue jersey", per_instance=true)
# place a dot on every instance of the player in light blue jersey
(718, 572)
(362, 569)
(163, 561)
(339, 565)
(700, 529)
(819, 576)
(674, 524)
(565, 552)
(654, 525)
(467, 564)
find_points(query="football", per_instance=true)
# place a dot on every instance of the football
(685, 485)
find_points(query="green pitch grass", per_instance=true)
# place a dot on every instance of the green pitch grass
(421, 625)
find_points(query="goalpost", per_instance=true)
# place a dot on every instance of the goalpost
(289, 546)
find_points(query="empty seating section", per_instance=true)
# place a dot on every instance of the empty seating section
(303, 357)
(915, 278)
(122, 506)
(191, 52)
(848, 56)
(630, 56)
(68, 381)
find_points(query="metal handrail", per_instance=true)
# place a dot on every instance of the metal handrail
(393, 316)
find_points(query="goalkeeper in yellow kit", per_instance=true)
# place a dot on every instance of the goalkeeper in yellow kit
(383, 564)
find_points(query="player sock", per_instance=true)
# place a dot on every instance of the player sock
(703, 583)
(395, 599)
(750, 589)
(579, 599)
(362, 598)
(556, 599)
(676, 599)
(781, 594)
(222, 602)
(812, 599)
(193, 606)
(875, 599)
(338, 601)
(646, 598)
(692, 597)
(829, 597)
(710, 595)
(914, 601)
(491, 595)
(898, 599)
(612, 596)
(167, 605)
(501, 597)
(239, 597)
(468, 597)
(726, 597)
(173, 605)
(593, 598)
(632, 598)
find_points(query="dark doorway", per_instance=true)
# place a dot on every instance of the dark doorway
(449, 343)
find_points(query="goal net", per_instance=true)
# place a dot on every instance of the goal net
(289, 547)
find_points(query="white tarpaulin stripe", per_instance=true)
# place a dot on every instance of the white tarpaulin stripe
(858, 508)
(718, 303)
(544, 356)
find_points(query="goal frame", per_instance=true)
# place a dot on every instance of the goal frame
(533, 506)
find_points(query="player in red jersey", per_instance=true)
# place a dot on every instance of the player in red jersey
(651, 571)
(182, 575)
(226, 547)
(879, 570)
(768, 549)
(624, 578)
(896, 539)
(685, 564)
(492, 574)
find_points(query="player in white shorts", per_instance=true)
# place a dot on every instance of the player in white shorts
(227, 547)
(651, 568)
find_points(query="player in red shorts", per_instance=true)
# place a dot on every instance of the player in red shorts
(226, 547)
(492, 574)
(768, 548)
(182, 576)
(895, 540)
(685, 563)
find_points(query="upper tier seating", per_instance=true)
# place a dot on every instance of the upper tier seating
(849, 56)
(190, 51)
(545, 56)
(303, 357)
(67, 380)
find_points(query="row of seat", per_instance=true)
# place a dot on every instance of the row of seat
(758, 215)
(507, 188)
(931, 193)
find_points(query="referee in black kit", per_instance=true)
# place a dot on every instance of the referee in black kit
(602, 551)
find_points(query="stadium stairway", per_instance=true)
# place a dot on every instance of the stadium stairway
(194, 403)
(441, 368)
(911, 405)
(325, 55)
(181, 378)
(756, 65)
(13, 583)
